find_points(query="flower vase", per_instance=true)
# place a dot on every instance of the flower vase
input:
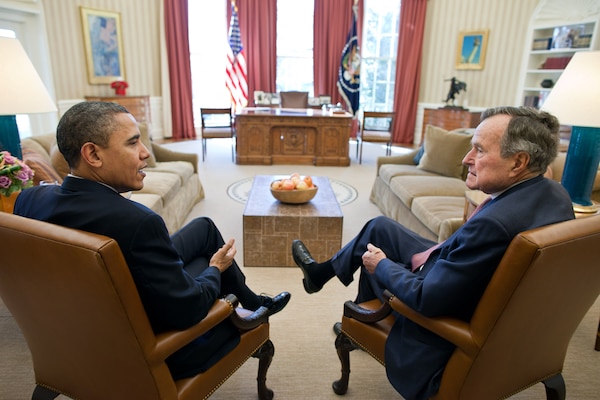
(120, 91)
(7, 203)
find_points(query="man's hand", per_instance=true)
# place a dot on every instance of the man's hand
(223, 258)
(371, 257)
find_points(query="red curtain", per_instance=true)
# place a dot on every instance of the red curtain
(180, 74)
(408, 69)
(332, 20)
(258, 27)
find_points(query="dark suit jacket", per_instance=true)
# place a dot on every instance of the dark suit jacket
(456, 275)
(172, 298)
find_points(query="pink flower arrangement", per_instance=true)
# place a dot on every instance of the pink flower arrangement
(15, 175)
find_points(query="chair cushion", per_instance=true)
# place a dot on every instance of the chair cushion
(183, 169)
(444, 151)
(432, 211)
(217, 132)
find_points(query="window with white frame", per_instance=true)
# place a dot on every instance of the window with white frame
(379, 47)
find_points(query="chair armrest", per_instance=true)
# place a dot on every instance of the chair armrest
(169, 342)
(453, 330)
(163, 154)
(355, 311)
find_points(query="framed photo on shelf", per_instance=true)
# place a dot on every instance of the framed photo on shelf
(471, 50)
(103, 45)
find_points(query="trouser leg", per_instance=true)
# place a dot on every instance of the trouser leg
(396, 241)
(196, 243)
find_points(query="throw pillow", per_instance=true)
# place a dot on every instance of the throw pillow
(147, 140)
(444, 151)
(419, 155)
(58, 162)
(43, 170)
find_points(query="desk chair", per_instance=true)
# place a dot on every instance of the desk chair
(293, 99)
(73, 298)
(376, 127)
(518, 336)
(217, 123)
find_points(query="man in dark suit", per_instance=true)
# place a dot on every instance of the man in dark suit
(512, 148)
(178, 278)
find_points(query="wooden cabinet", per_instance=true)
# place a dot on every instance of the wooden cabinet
(449, 118)
(138, 106)
(557, 31)
(277, 136)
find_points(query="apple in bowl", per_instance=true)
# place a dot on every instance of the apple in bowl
(295, 189)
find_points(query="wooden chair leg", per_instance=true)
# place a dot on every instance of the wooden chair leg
(42, 393)
(344, 346)
(265, 356)
(597, 347)
(555, 388)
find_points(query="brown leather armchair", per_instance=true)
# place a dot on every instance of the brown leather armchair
(518, 336)
(73, 297)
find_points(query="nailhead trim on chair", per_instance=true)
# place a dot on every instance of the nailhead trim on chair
(363, 348)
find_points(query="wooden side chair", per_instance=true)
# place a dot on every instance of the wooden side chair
(75, 302)
(293, 99)
(518, 336)
(375, 127)
(217, 123)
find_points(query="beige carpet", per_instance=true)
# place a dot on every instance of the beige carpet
(305, 362)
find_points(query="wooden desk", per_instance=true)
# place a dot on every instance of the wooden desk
(449, 118)
(268, 136)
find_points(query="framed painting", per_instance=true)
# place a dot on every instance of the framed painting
(103, 42)
(472, 46)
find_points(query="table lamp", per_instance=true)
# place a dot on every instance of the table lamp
(575, 101)
(22, 92)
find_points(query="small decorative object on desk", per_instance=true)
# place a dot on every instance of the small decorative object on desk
(120, 87)
(547, 83)
(294, 189)
(15, 176)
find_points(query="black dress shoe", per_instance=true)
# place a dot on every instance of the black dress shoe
(304, 260)
(277, 303)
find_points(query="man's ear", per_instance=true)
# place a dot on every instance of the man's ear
(521, 161)
(89, 155)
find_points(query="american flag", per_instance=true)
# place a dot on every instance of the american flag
(236, 81)
(349, 73)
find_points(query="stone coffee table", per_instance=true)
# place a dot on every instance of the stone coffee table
(270, 226)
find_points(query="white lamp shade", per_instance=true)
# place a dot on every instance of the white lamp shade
(575, 98)
(21, 88)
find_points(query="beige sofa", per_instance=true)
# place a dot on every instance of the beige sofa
(171, 187)
(427, 195)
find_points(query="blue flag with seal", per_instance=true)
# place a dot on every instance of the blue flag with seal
(349, 73)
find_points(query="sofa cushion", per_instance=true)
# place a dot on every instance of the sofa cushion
(183, 169)
(164, 184)
(41, 166)
(388, 171)
(408, 188)
(432, 211)
(444, 151)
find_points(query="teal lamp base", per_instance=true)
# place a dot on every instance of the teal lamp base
(9, 135)
(581, 167)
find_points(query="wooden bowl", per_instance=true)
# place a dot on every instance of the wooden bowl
(295, 196)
